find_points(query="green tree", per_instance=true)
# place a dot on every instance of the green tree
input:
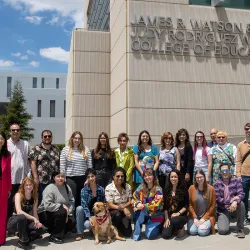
(16, 113)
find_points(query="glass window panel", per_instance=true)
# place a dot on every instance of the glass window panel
(9, 80)
(39, 108)
(52, 108)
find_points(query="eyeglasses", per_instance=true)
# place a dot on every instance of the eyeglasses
(225, 171)
(221, 137)
(47, 136)
(199, 136)
(119, 176)
(13, 130)
(199, 178)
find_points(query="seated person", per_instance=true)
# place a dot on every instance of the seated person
(58, 208)
(175, 206)
(229, 200)
(148, 206)
(118, 195)
(26, 221)
(202, 201)
(89, 195)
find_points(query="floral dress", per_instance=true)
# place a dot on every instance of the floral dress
(226, 155)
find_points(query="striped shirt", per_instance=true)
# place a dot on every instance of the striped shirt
(20, 166)
(77, 165)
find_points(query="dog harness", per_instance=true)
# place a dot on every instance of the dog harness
(101, 219)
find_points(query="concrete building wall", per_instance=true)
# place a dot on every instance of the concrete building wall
(49, 92)
(167, 92)
(89, 85)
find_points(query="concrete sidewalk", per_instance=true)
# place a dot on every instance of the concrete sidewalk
(213, 242)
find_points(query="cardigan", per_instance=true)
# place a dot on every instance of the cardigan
(210, 212)
(188, 160)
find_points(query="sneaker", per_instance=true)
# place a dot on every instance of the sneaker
(246, 222)
(241, 234)
(79, 237)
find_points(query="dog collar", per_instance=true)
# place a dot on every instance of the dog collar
(101, 219)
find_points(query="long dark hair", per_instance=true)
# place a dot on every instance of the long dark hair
(204, 191)
(98, 149)
(119, 169)
(4, 151)
(149, 171)
(179, 132)
(181, 188)
(139, 143)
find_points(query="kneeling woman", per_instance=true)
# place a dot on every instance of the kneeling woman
(175, 206)
(202, 201)
(26, 221)
(58, 204)
(118, 195)
(148, 206)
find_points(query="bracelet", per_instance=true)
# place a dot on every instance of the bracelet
(180, 213)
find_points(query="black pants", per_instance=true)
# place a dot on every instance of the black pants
(163, 181)
(121, 222)
(11, 205)
(176, 223)
(56, 222)
(76, 184)
(25, 228)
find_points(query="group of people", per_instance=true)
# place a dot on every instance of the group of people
(45, 190)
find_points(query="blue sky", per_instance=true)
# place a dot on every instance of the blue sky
(36, 34)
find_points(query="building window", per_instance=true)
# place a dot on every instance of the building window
(42, 83)
(9, 80)
(34, 82)
(240, 4)
(39, 108)
(200, 2)
(64, 108)
(57, 83)
(52, 108)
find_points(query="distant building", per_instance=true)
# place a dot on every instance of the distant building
(45, 95)
(159, 65)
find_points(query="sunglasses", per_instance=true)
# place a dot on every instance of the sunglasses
(13, 130)
(221, 137)
(47, 136)
(225, 171)
(247, 129)
(119, 176)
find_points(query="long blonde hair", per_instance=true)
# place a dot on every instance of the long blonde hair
(21, 190)
(81, 146)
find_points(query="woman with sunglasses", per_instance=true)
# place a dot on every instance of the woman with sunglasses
(5, 184)
(201, 151)
(169, 158)
(90, 194)
(202, 202)
(103, 160)
(118, 195)
(148, 206)
(224, 152)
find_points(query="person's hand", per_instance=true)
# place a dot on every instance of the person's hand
(166, 223)
(37, 223)
(141, 172)
(121, 207)
(67, 210)
(196, 222)
(201, 221)
(91, 222)
(187, 177)
(140, 206)
(234, 199)
(127, 212)
(233, 207)
(203, 227)
(175, 214)
(86, 182)
(9, 193)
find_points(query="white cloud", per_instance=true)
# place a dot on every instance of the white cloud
(34, 64)
(30, 52)
(24, 57)
(22, 41)
(16, 54)
(54, 20)
(64, 8)
(34, 19)
(6, 64)
(55, 54)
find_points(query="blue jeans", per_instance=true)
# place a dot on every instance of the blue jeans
(82, 222)
(246, 188)
(153, 229)
(193, 230)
